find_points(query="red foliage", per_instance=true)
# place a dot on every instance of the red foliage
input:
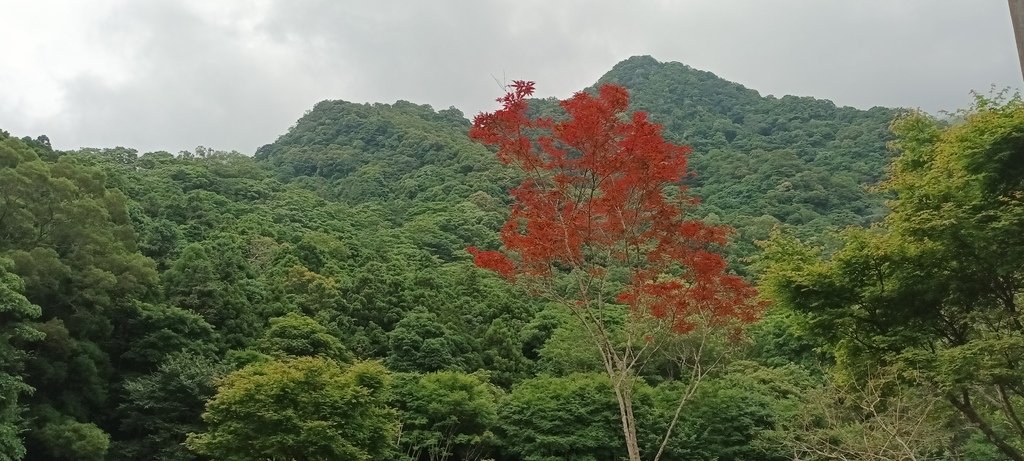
(595, 196)
(493, 260)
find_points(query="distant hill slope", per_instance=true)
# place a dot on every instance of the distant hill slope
(369, 152)
(760, 161)
(416, 163)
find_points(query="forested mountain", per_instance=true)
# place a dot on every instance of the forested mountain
(759, 160)
(316, 300)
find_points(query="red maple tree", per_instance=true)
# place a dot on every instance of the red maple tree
(599, 224)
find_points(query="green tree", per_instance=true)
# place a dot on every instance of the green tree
(503, 357)
(571, 418)
(305, 408)
(731, 416)
(162, 406)
(216, 281)
(420, 342)
(70, 237)
(936, 287)
(295, 335)
(15, 314)
(65, 439)
(151, 332)
(446, 415)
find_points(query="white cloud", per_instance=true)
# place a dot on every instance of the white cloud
(171, 75)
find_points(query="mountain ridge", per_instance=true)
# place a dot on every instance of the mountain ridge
(759, 161)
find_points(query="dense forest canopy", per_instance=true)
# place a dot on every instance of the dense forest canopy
(316, 300)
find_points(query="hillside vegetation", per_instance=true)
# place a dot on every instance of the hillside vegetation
(316, 300)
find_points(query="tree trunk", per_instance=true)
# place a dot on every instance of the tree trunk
(1017, 18)
(966, 409)
(624, 395)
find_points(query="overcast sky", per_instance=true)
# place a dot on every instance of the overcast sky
(233, 75)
